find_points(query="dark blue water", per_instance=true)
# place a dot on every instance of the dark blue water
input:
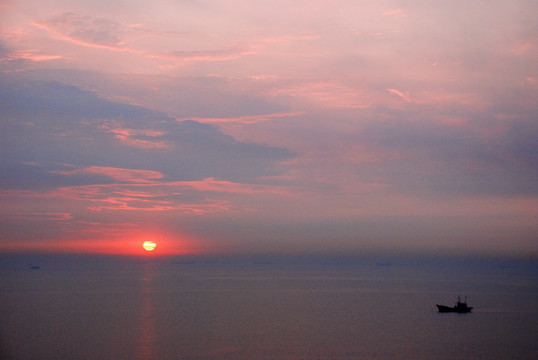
(278, 308)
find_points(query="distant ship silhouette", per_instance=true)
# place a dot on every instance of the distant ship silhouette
(460, 307)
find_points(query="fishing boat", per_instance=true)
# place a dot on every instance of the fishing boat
(460, 307)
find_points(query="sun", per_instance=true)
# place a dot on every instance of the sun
(149, 245)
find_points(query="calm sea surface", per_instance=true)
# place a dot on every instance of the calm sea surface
(91, 308)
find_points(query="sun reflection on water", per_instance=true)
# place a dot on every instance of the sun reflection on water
(146, 329)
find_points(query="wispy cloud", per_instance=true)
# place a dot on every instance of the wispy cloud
(245, 120)
(86, 30)
(34, 55)
(140, 138)
(396, 13)
(118, 174)
(325, 93)
(104, 33)
(142, 191)
(404, 95)
(43, 216)
(183, 57)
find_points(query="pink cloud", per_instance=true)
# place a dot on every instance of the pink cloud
(44, 216)
(128, 137)
(141, 179)
(85, 30)
(221, 186)
(423, 97)
(285, 38)
(142, 191)
(33, 55)
(100, 32)
(395, 13)
(118, 174)
(404, 95)
(152, 198)
(244, 120)
(325, 94)
(185, 57)
(523, 48)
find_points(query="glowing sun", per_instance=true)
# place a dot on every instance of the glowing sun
(149, 245)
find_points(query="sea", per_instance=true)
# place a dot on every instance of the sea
(270, 307)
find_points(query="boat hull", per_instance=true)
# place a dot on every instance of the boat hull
(456, 309)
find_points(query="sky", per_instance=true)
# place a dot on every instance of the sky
(249, 127)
